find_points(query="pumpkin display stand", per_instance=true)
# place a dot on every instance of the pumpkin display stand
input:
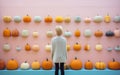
(67, 72)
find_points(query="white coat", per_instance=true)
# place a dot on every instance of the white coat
(58, 50)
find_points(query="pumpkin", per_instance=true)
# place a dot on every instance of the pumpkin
(98, 33)
(27, 47)
(87, 20)
(25, 33)
(2, 64)
(66, 66)
(117, 48)
(59, 19)
(107, 18)
(100, 65)
(97, 19)
(17, 19)
(87, 33)
(37, 19)
(18, 48)
(35, 65)
(48, 19)
(117, 33)
(25, 65)
(35, 34)
(76, 64)
(67, 19)
(109, 48)
(35, 48)
(87, 47)
(47, 64)
(27, 19)
(77, 33)
(7, 32)
(48, 47)
(15, 33)
(109, 33)
(77, 19)
(88, 65)
(7, 19)
(67, 34)
(68, 47)
(49, 33)
(114, 65)
(116, 19)
(77, 46)
(12, 64)
(6, 47)
(98, 47)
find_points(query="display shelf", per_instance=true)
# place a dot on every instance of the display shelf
(67, 72)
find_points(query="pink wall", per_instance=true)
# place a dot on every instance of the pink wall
(64, 8)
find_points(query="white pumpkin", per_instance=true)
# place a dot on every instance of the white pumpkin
(35, 34)
(98, 47)
(37, 19)
(67, 34)
(48, 47)
(18, 48)
(117, 33)
(87, 33)
(6, 47)
(67, 19)
(98, 19)
(25, 33)
(87, 20)
(116, 19)
(25, 65)
(7, 19)
(117, 48)
(109, 48)
(77, 19)
(17, 19)
(35, 48)
(49, 33)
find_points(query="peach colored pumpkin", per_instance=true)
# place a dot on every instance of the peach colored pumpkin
(117, 32)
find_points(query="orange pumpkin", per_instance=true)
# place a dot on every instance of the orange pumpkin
(76, 64)
(2, 64)
(114, 65)
(48, 19)
(77, 46)
(98, 33)
(47, 64)
(35, 65)
(15, 33)
(27, 18)
(77, 33)
(87, 47)
(88, 65)
(100, 65)
(6, 32)
(12, 64)
(27, 47)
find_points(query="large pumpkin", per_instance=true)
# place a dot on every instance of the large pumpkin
(6, 32)
(77, 33)
(27, 47)
(7, 19)
(12, 64)
(25, 65)
(35, 65)
(15, 33)
(77, 46)
(114, 65)
(88, 65)
(98, 33)
(59, 19)
(76, 64)
(27, 19)
(100, 65)
(107, 18)
(47, 64)
(2, 64)
(48, 19)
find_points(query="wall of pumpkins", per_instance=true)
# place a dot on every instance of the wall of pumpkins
(92, 36)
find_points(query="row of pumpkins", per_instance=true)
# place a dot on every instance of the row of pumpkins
(76, 47)
(77, 33)
(75, 64)
(60, 19)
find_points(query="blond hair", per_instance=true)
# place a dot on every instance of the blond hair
(59, 30)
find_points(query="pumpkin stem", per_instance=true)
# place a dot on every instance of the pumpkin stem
(76, 42)
(75, 58)
(25, 61)
(46, 59)
(12, 59)
(113, 60)
(88, 60)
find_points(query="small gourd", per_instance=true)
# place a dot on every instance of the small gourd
(48, 19)
(116, 19)
(87, 20)
(48, 47)
(88, 65)
(117, 33)
(25, 33)
(98, 33)
(100, 65)
(35, 48)
(67, 19)
(87, 47)
(47, 64)
(35, 34)
(67, 34)
(37, 19)
(98, 47)
(77, 46)
(77, 19)
(107, 18)
(98, 19)
(25, 66)
(17, 19)
(109, 49)
(68, 47)
(18, 48)
(77, 33)
(27, 19)
(35, 65)
(117, 48)
(7, 32)
(66, 66)
(6, 47)
(2, 64)
(87, 33)
(49, 33)
(7, 19)
(109, 33)
(15, 33)
(27, 47)
(59, 19)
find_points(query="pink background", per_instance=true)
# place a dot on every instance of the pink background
(72, 8)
